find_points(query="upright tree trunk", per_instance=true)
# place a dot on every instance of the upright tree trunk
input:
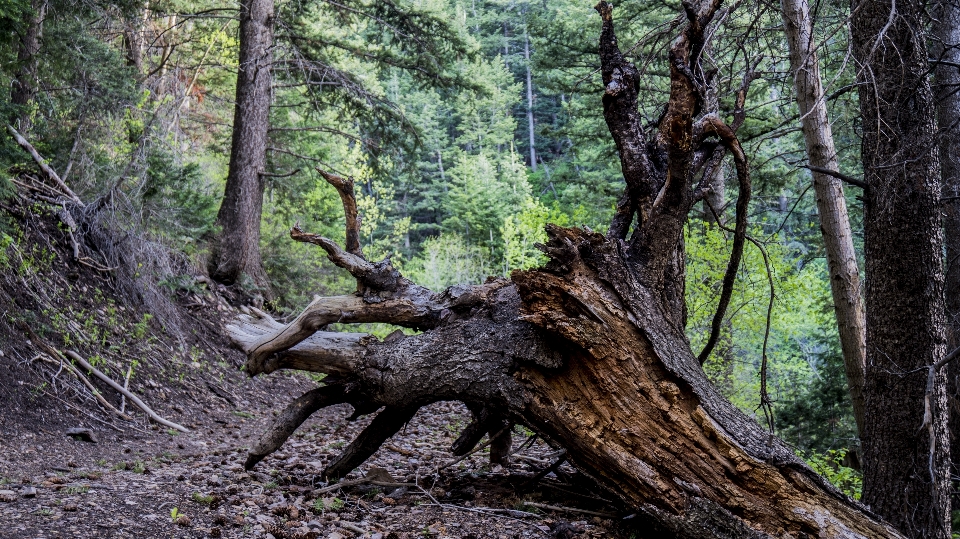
(237, 249)
(905, 454)
(526, 56)
(133, 38)
(25, 81)
(946, 49)
(831, 204)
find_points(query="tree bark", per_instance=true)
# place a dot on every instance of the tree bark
(589, 351)
(25, 81)
(905, 453)
(236, 251)
(526, 57)
(541, 349)
(831, 204)
(946, 50)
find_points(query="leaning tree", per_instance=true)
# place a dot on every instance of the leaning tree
(588, 351)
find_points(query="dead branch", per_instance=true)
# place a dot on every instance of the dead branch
(133, 398)
(344, 188)
(42, 164)
(713, 125)
(570, 510)
(292, 417)
(838, 175)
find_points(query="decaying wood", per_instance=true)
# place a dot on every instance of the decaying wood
(588, 351)
(344, 187)
(119, 389)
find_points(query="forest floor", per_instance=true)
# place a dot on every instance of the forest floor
(136, 479)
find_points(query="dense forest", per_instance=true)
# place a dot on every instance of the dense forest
(745, 207)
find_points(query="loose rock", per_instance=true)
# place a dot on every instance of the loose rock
(82, 434)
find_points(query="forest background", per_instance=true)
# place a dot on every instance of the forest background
(467, 126)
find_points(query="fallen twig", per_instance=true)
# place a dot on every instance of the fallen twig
(569, 510)
(361, 481)
(478, 448)
(54, 353)
(133, 398)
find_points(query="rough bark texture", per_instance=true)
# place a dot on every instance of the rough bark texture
(237, 250)
(905, 455)
(25, 81)
(946, 50)
(831, 204)
(588, 351)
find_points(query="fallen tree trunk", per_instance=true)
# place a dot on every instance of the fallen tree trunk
(588, 351)
(543, 349)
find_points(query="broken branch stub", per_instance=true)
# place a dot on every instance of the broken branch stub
(344, 187)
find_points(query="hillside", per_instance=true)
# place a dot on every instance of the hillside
(134, 478)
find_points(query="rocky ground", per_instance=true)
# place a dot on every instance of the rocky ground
(128, 477)
(151, 483)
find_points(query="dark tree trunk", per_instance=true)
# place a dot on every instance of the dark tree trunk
(905, 455)
(25, 81)
(946, 49)
(589, 351)
(236, 252)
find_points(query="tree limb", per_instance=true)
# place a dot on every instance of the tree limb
(712, 124)
(292, 417)
(345, 189)
(838, 175)
(42, 164)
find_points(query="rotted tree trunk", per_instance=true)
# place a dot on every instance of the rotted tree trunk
(588, 351)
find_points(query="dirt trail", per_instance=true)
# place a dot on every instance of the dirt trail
(139, 480)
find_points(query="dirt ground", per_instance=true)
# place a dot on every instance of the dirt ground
(138, 480)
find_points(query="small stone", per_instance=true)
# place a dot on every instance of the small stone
(82, 434)
(336, 535)
(29, 492)
(7, 496)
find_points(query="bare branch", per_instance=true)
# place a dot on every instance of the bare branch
(385, 425)
(713, 125)
(42, 164)
(345, 188)
(838, 175)
(292, 417)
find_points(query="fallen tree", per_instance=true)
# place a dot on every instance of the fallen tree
(589, 350)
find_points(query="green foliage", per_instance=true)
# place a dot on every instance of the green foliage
(204, 499)
(830, 465)
(448, 260)
(800, 312)
(819, 415)
(178, 203)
